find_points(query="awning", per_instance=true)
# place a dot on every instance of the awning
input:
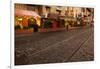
(53, 15)
(19, 12)
(56, 16)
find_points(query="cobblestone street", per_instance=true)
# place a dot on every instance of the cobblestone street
(55, 47)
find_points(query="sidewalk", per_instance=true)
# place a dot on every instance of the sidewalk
(24, 31)
(20, 33)
(71, 28)
(52, 29)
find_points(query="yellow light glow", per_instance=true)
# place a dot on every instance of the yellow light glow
(20, 19)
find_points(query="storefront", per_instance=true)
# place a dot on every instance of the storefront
(52, 22)
(23, 18)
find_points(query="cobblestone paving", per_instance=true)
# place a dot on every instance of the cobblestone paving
(86, 52)
(55, 47)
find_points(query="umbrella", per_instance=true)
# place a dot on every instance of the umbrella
(19, 12)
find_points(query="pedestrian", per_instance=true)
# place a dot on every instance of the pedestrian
(67, 27)
(35, 26)
(66, 24)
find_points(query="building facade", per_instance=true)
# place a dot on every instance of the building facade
(54, 12)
